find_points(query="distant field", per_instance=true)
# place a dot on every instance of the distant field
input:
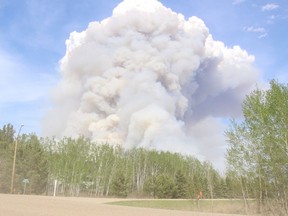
(216, 206)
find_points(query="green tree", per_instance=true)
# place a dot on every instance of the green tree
(31, 164)
(6, 157)
(258, 146)
(6, 137)
(181, 185)
(119, 185)
(150, 186)
(165, 186)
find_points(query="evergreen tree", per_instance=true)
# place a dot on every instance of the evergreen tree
(31, 164)
(180, 185)
(165, 186)
(6, 157)
(119, 185)
(6, 137)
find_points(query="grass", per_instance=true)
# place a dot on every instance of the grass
(217, 206)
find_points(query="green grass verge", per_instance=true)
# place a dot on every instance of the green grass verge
(219, 206)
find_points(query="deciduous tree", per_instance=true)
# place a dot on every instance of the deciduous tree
(258, 145)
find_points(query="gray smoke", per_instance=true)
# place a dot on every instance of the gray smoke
(147, 77)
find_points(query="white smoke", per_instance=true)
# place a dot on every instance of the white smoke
(148, 77)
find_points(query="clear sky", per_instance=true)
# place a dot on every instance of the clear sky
(33, 34)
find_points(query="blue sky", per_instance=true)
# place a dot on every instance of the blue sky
(33, 34)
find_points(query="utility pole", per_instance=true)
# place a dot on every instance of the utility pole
(14, 161)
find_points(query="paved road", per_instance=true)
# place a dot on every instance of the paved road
(21, 205)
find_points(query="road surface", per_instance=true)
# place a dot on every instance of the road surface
(27, 205)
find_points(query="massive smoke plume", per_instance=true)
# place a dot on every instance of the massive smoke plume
(148, 77)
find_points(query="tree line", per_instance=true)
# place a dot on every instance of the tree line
(80, 167)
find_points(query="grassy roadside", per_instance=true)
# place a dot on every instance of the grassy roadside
(216, 206)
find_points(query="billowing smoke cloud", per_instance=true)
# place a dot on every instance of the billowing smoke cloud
(147, 77)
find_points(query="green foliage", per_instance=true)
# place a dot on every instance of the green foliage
(31, 164)
(6, 137)
(165, 186)
(150, 186)
(119, 185)
(181, 185)
(258, 146)
(6, 157)
(79, 167)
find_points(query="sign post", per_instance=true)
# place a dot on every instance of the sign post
(25, 182)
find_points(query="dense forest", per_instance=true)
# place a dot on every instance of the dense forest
(257, 162)
(79, 167)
